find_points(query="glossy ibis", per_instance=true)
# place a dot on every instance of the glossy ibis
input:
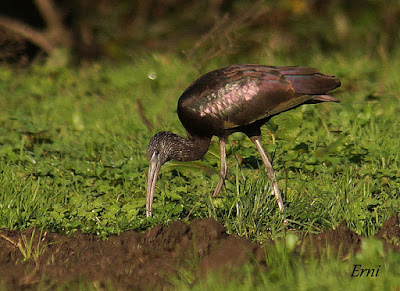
(238, 98)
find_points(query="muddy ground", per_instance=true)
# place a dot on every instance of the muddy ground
(134, 260)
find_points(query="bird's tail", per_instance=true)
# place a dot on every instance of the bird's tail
(323, 98)
(313, 84)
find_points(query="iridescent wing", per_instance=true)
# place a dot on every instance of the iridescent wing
(242, 94)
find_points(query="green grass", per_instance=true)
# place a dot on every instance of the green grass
(73, 156)
(73, 147)
(287, 271)
(26, 245)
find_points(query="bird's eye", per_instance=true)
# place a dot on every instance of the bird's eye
(155, 154)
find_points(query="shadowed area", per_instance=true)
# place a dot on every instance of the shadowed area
(134, 260)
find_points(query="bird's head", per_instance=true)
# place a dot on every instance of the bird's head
(165, 146)
(158, 148)
(158, 153)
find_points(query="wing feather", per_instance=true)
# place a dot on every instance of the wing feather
(239, 95)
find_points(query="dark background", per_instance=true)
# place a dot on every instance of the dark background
(115, 30)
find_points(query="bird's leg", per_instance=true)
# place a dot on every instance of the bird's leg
(224, 167)
(270, 171)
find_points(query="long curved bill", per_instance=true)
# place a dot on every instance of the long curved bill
(154, 169)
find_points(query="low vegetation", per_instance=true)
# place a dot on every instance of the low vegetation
(73, 153)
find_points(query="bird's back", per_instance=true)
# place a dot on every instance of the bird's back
(231, 98)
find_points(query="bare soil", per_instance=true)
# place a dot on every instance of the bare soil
(134, 260)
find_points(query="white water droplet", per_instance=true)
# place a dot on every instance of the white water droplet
(152, 75)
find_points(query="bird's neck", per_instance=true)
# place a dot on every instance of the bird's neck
(190, 149)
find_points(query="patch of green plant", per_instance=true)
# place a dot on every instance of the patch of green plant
(73, 151)
(27, 246)
(286, 269)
